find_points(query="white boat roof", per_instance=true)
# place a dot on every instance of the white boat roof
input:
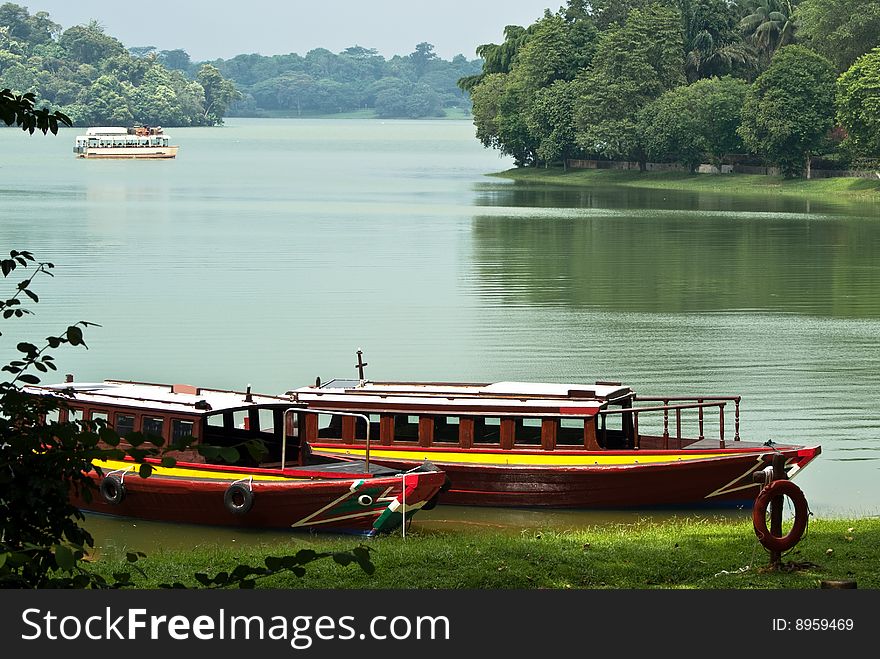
(509, 395)
(107, 130)
(180, 398)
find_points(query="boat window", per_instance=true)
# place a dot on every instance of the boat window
(124, 424)
(215, 420)
(52, 416)
(487, 430)
(570, 433)
(181, 429)
(330, 425)
(528, 432)
(360, 430)
(151, 425)
(267, 420)
(240, 419)
(446, 429)
(74, 415)
(101, 418)
(406, 428)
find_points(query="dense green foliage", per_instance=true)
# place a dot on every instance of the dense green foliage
(687, 123)
(321, 82)
(858, 104)
(666, 80)
(789, 110)
(92, 78)
(841, 30)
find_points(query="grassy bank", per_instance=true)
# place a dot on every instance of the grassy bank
(855, 189)
(685, 553)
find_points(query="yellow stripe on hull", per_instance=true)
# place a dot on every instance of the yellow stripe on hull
(518, 459)
(188, 472)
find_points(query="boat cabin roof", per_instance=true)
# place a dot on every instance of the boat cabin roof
(176, 398)
(511, 396)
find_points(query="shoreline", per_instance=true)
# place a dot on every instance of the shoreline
(687, 553)
(826, 189)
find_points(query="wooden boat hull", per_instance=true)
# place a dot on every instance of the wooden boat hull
(340, 505)
(139, 153)
(643, 479)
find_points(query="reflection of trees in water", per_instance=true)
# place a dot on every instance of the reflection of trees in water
(660, 261)
(548, 196)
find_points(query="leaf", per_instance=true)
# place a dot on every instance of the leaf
(64, 558)
(145, 470)
(31, 295)
(209, 452)
(229, 454)
(304, 556)
(27, 378)
(342, 558)
(168, 462)
(75, 335)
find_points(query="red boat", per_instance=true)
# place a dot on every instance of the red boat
(547, 445)
(346, 496)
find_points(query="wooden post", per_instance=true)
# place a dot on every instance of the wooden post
(776, 504)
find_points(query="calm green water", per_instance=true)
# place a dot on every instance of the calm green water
(270, 250)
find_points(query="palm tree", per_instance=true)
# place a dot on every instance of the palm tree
(712, 43)
(769, 25)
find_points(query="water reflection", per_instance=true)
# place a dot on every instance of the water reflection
(656, 260)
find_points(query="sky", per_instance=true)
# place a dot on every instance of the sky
(211, 29)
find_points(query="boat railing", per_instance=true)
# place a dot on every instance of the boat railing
(677, 405)
(304, 410)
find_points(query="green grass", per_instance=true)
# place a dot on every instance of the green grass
(734, 184)
(692, 553)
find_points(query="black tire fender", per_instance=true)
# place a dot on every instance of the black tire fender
(238, 499)
(112, 489)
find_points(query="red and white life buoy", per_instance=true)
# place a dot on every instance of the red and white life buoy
(759, 515)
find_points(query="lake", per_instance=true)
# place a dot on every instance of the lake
(269, 251)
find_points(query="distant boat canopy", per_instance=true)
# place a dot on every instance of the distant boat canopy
(121, 142)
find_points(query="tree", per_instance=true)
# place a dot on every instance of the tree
(175, 59)
(769, 25)
(688, 123)
(552, 53)
(497, 58)
(841, 30)
(422, 57)
(858, 104)
(219, 93)
(108, 100)
(789, 110)
(633, 65)
(89, 44)
(713, 47)
(36, 29)
(551, 120)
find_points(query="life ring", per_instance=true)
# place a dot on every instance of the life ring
(112, 489)
(759, 515)
(238, 499)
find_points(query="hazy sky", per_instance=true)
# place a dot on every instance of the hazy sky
(209, 29)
